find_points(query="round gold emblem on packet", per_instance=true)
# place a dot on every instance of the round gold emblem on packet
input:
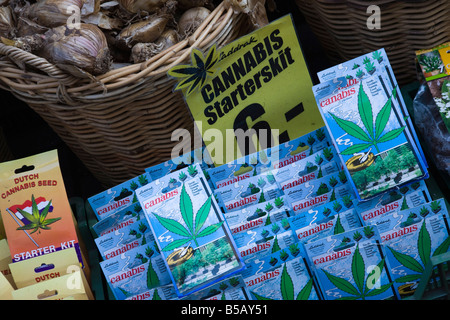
(179, 256)
(359, 162)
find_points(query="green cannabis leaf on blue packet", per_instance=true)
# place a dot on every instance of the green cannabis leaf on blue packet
(365, 287)
(424, 248)
(372, 135)
(287, 288)
(194, 226)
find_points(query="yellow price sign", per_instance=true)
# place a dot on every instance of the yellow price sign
(257, 87)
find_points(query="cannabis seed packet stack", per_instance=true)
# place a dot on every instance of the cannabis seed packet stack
(191, 232)
(351, 266)
(269, 159)
(411, 237)
(325, 220)
(377, 64)
(317, 165)
(232, 288)
(256, 189)
(265, 240)
(118, 197)
(119, 219)
(319, 191)
(370, 133)
(124, 239)
(408, 196)
(135, 271)
(283, 275)
(34, 207)
(199, 156)
(166, 292)
(258, 215)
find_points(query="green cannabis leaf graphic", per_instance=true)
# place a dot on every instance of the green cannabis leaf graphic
(363, 288)
(338, 228)
(193, 76)
(373, 136)
(287, 288)
(38, 220)
(156, 295)
(152, 277)
(194, 227)
(424, 247)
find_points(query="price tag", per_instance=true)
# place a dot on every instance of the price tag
(257, 87)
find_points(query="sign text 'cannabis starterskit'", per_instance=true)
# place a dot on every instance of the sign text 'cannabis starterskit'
(259, 82)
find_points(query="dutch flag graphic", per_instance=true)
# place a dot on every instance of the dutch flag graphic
(27, 207)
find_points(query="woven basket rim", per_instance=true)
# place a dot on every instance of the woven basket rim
(53, 78)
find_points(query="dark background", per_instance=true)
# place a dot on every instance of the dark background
(27, 133)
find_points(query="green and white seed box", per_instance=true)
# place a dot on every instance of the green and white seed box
(283, 280)
(351, 266)
(411, 237)
(135, 271)
(190, 230)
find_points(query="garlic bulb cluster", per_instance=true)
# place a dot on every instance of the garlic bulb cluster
(91, 36)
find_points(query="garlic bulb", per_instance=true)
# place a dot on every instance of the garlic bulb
(144, 51)
(255, 9)
(102, 20)
(90, 7)
(134, 6)
(84, 48)
(52, 13)
(187, 4)
(26, 27)
(7, 28)
(143, 31)
(191, 19)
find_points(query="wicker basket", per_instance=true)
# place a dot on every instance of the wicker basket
(341, 27)
(123, 123)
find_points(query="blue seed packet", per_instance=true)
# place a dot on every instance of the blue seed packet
(121, 240)
(119, 219)
(191, 232)
(373, 63)
(281, 278)
(317, 192)
(232, 288)
(351, 266)
(258, 215)
(312, 225)
(408, 196)
(263, 244)
(411, 237)
(315, 166)
(268, 159)
(166, 292)
(198, 156)
(263, 234)
(370, 134)
(244, 193)
(135, 271)
(118, 197)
